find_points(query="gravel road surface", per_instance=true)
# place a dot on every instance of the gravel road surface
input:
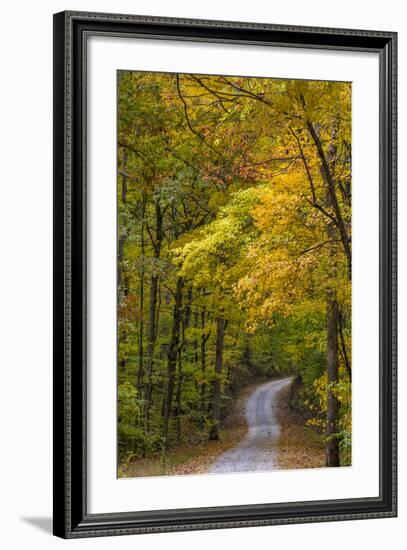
(255, 452)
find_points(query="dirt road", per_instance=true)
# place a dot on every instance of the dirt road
(255, 452)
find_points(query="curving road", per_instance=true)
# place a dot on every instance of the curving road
(255, 452)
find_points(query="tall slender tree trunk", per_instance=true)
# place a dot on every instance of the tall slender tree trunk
(122, 281)
(140, 372)
(344, 353)
(182, 352)
(178, 398)
(188, 309)
(336, 228)
(202, 397)
(195, 341)
(234, 345)
(329, 180)
(172, 358)
(152, 316)
(122, 237)
(151, 337)
(332, 428)
(216, 384)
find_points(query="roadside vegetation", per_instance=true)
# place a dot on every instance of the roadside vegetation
(234, 260)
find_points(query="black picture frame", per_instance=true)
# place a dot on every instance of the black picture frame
(71, 518)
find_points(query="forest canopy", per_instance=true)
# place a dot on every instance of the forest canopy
(234, 254)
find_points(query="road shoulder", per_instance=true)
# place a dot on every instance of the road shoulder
(298, 446)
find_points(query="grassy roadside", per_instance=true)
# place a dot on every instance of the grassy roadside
(194, 459)
(298, 446)
(187, 459)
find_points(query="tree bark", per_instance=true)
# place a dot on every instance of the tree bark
(333, 199)
(172, 356)
(195, 341)
(140, 372)
(202, 397)
(344, 353)
(332, 427)
(216, 384)
(122, 282)
(122, 237)
(337, 225)
(152, 317)
(178, 398)
(234, 345)
(182, 351)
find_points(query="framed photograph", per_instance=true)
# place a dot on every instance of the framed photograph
(224, 274)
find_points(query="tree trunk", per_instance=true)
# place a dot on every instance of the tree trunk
(202, 397)
(122, 282)
(195, 341)
(172, 358)
(216, 384)
(140, 372)
(152, 317)
(182, 350)
(344, 352)
(234, 346)
(332, 428)
(151, 337)
(178, 398)
(337, 225)
(122, 237)
(333, 199)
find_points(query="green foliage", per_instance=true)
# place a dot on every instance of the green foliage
(132, 440)
(223, 214)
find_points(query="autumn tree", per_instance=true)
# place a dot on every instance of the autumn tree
(234, 251)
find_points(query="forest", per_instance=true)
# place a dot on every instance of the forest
(234, 255)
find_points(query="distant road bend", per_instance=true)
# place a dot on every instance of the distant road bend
(256, 451)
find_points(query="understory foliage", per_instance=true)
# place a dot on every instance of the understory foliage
(234, 253)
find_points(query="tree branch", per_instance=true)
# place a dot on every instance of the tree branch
(138, 152)
(319, 245)
(189, 122)
(332, 194)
